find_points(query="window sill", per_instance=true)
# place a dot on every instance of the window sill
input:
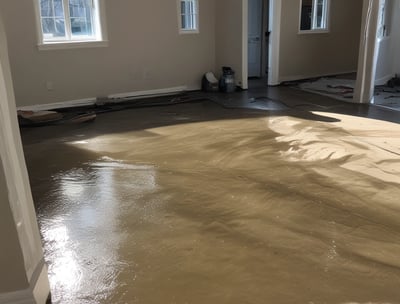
(307, 32)
(185, 32)
(71, 45)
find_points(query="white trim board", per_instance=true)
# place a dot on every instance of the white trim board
(243, 82)
(275, 11)
(72, 45)
(110, 98)
(59, 105)
(148, 94)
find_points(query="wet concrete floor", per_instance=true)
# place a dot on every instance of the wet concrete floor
(198, 204)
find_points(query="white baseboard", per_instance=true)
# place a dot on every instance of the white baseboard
(383, 80)
(37, 292)
(193, 88)
(302, 77)
(113, 97)
(148, 94)
(59, 105)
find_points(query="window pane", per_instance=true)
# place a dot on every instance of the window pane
(194, 20)
(191, 8)
(48, 26)
(58, 8)
(53, 28)
(183, 7)
(52, 17)
(188, 15)
(60, 27)
(306, 16)
(79, 8)
(46, 8)
(81, 13)
(191, 25)
(80, 26)
(75, 21)
(320, 13)
(51, 8)
(184, 25)
(314, 14)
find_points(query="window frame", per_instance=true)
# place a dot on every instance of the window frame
(69, 42)
(194, 30)
(325, 16)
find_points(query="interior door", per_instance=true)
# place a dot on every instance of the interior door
(254, 38)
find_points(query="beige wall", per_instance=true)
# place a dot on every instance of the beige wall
(309, 55)
(229, 37)
(13, 276)
(145, 52)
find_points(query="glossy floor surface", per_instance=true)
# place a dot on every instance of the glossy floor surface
(197, 203)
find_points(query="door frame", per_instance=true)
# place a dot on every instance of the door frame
(275, 8)
(363, 92)
(368, 53)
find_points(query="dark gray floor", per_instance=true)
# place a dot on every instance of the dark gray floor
(199, 203)
(263, 97)
(274, 99)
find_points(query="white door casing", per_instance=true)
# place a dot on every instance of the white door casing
(275, 8)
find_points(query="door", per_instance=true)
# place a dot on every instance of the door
(254, 37)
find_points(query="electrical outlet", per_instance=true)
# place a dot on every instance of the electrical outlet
(49, 85)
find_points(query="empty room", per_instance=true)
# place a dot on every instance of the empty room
(199, 151)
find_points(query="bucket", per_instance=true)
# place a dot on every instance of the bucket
(227, 82)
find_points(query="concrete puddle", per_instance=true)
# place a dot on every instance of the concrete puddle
(199, 204)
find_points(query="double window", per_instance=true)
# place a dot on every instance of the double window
(188, 16)
(314, 15)
(69, 21)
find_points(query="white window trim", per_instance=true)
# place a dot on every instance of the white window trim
(100, 41)
(317, 30)
(188, 31)
(71, 45)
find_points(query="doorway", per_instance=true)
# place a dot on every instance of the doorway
(269, 34)
(255, 22)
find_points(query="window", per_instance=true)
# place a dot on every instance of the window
(188, 16)
(64, 21)
(314, 15)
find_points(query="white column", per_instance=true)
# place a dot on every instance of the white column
(368, 54)
(245, 44)
(23, 275)
(275, 9)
